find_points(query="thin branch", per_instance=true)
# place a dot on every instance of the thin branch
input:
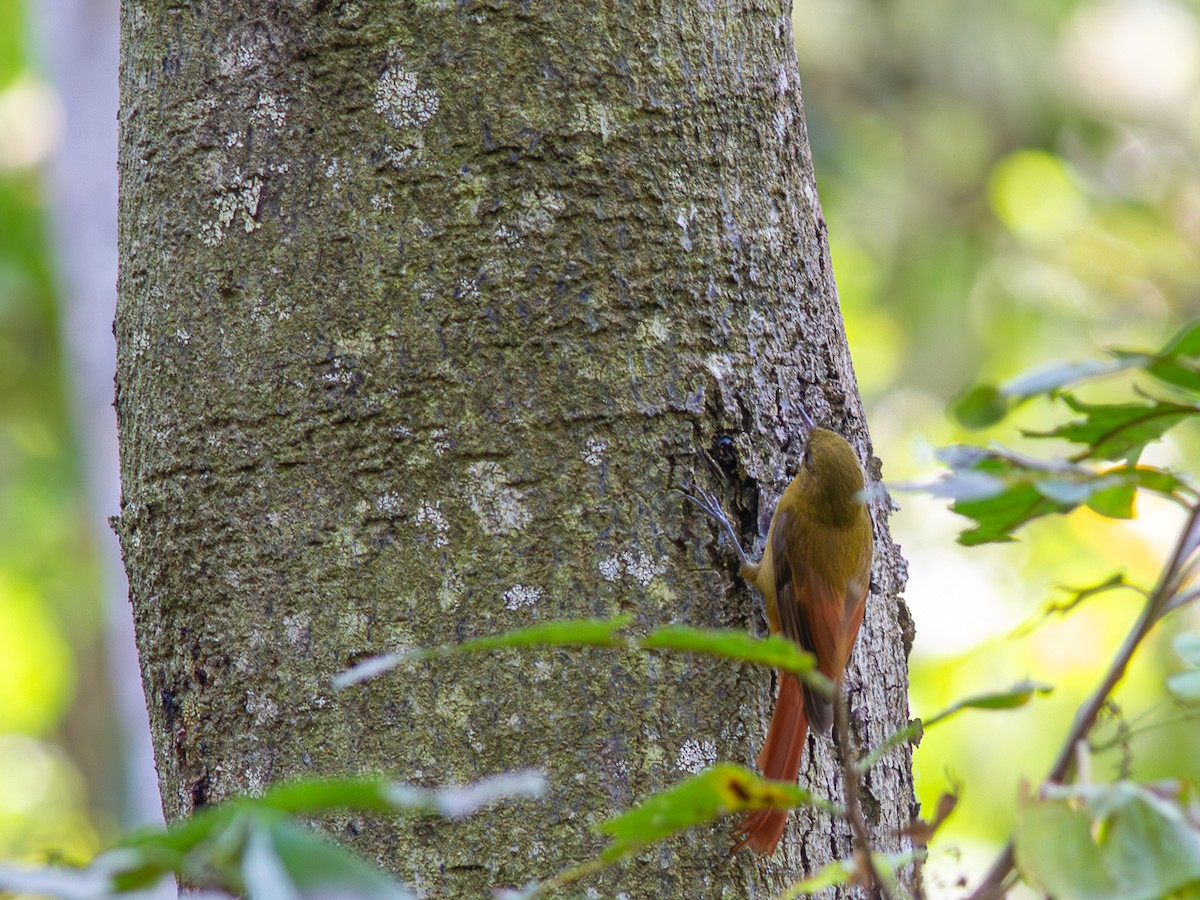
(1136, 730)
(854, 815)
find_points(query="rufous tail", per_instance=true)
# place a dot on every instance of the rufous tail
(779, 759)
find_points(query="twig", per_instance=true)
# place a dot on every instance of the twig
(1157, 605)
(850, 776)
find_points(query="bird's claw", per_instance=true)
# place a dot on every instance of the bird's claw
(709, 503)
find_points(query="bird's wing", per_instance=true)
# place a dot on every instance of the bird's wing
(819, 615)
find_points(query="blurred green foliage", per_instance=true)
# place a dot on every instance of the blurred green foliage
(1004, 183)
(49, 596)
(256, 847)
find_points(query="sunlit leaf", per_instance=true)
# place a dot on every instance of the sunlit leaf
(963, 486)
(834, 874)
(456, 802)
(565, 633)
(226, 844)
(1002, 490)
(774, 651)
(845, 871)
(715, 792)
(1187, 645)
(1185, 686)
(1118, 430)
(1177, 374)
(1016, 696)
(1153, 479)
(314, 796)
(962, 457)
(1177, 364)
(263, 873)
(1106, 842)
(1186, 342)
(1114, 502)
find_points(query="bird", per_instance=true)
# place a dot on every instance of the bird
(814, 575)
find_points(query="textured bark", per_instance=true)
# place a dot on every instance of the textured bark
(425, 311)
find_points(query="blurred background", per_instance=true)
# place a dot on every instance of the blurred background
(1006, 185)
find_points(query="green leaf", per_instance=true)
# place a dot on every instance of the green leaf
(834, 874)
(844, 871)
(1053, 378)
(314, 796)
(1177, 364)
(1121, 841)
(999, 516)
(981, 406)
(1016, 696)
(1187, 645)
(563, 633)
(1153, 479)
(1013, 698)
(1118, 430)
(1115, 502)
(559, 633)
(1180, 375)
(263, 873)
(456, 802)
(775, 651)
(93, 882)
(1065, 492)
(283, 860)
(1186, 342)
(1185, 686)
(1002, 490)
(964, 486)
(713, 793)
(225, 845)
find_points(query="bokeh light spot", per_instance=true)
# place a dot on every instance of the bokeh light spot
(1032, 193)
(36, 663)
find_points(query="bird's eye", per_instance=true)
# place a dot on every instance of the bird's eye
(808, 457)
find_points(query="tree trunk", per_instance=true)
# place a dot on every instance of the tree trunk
(425, 311)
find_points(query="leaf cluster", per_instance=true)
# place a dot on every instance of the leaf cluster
(1001, 490)
(256, 847)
